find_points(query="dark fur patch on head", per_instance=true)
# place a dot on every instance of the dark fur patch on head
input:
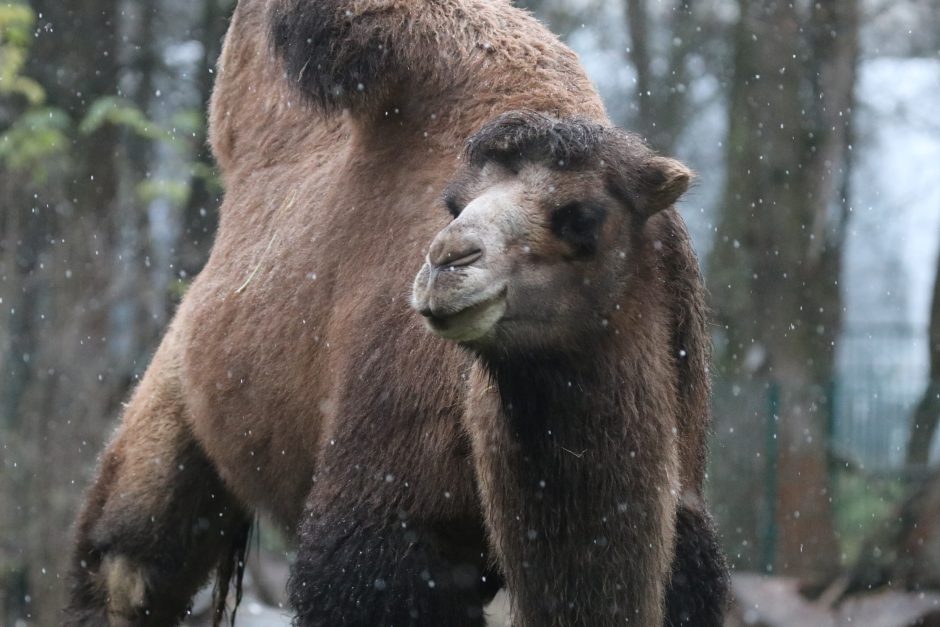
(632, 172)
(535, 137)
(337, 59)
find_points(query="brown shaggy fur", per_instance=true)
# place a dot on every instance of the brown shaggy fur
(584, 436)
(296, 378)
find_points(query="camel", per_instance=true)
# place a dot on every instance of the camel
(529, 411)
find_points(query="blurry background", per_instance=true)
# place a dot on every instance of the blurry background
(813, 127)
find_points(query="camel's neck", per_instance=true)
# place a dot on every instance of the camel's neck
(582, 457)
(560, 395)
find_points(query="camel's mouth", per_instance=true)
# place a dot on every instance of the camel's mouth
(469, 323)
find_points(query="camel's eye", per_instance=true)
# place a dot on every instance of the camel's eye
(453, 207)
(579, 225)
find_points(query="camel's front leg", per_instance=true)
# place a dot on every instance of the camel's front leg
(157, 520)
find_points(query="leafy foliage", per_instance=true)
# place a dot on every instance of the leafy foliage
(16, 21)
(176, 192)
(37, 137)
(121, 112)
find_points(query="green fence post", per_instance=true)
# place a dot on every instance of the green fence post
(770, 476)
(831, 466)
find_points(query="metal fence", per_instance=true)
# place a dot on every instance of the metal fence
(880, 375)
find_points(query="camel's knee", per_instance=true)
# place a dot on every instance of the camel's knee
(114, 590)
(148, 537)
(126, 589)
(112, 584)
(132, 574)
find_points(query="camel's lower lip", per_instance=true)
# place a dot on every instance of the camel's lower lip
(471, 322)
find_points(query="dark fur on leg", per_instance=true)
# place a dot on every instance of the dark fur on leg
(699, 591)
(141, 567)
(353, 573)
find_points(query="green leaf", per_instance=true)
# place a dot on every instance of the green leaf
(176, 192)
(37, 138)
(16, 24)
(188, 122)
(208, 174)
(121, 112)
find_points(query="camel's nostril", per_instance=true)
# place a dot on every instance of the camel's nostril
(454, 250)
(458, 259)
(426, 311)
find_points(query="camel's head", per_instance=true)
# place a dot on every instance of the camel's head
(548, 218)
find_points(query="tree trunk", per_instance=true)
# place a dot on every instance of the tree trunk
(639, 53)
(60, 404)
(775, 267)
(660, 100)
(200, 215)
(924, 422)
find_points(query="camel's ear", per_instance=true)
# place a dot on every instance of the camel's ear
(662, 181)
